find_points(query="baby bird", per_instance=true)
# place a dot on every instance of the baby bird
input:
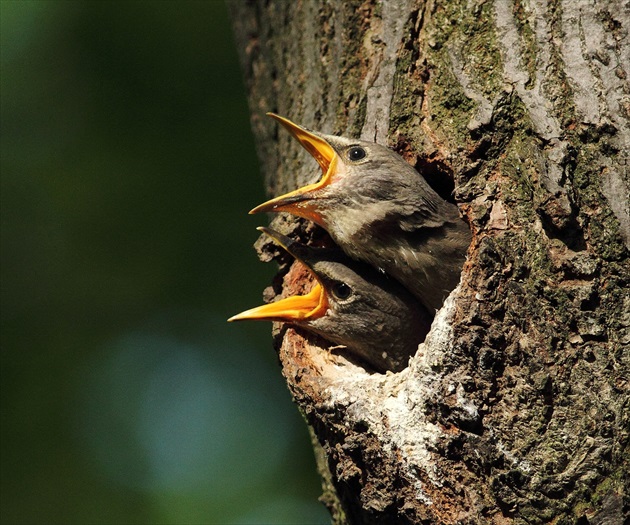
(380, 210)
(353, 305)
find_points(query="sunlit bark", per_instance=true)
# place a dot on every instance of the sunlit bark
(515, 409)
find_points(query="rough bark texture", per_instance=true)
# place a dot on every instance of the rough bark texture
(515, 409)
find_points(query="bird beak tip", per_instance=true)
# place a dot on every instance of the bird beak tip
(251, 314)
(265, 206)
(285, 242)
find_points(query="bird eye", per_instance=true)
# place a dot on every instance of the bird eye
(356, 153)
(341, 291)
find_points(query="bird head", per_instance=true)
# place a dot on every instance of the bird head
(352, 305)
(360, 180)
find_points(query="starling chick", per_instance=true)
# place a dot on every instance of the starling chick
(380, 210)
(352, 305)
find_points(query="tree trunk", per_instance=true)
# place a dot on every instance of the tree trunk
(515, 408)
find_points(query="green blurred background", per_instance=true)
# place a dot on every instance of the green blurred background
(127, 171)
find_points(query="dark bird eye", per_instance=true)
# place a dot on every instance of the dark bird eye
(356, 153)
(341, 290)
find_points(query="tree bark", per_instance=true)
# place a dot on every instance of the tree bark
(515, 408)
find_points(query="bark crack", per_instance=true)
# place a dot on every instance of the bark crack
(380, 93)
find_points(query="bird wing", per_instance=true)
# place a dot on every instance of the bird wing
(427, 214)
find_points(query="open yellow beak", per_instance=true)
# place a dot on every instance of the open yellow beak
(297, 202)
(295, 308)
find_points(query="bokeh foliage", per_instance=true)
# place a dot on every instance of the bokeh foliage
(127, 170)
